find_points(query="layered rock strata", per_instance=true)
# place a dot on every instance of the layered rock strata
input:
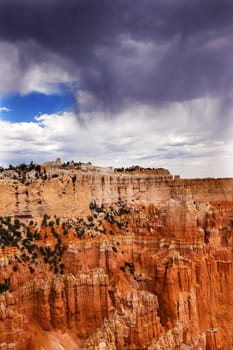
(116, 261)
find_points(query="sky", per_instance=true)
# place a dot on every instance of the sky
(118, 82)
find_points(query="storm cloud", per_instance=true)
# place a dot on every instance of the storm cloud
(152, 82)
(119, 52)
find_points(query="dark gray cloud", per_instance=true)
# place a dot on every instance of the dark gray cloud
(126, 51)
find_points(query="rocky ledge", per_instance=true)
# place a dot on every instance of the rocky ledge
(134, 258)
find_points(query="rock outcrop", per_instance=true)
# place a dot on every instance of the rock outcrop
(96, 259)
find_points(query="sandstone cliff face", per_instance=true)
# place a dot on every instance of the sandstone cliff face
(79, 303)
(116, 261)
(70, 194)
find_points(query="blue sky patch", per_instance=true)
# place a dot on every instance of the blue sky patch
(25, 108)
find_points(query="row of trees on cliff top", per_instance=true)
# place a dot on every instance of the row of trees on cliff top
(160, 171)
(37, 167)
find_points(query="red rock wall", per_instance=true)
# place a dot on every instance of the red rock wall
(159, 276)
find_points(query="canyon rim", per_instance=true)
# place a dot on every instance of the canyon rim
(103, 258)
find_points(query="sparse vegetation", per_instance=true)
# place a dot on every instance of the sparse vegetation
(44, 247)
(129, 266)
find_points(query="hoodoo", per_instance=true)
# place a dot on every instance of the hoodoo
(117, 259)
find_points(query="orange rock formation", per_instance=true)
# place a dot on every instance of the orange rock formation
(115, 260)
